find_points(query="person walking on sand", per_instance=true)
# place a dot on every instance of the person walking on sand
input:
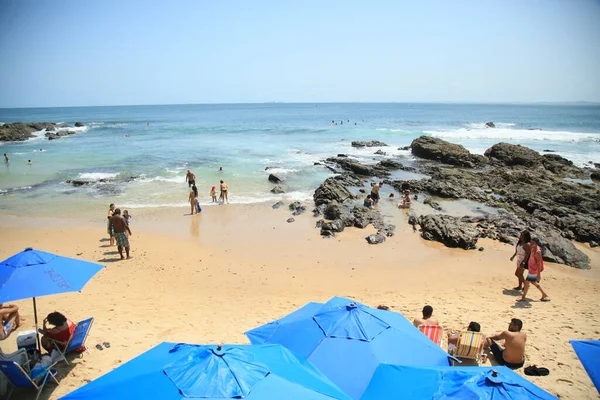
(109, 230)
(190, 178)
(119, 226)
(513, 353)
(224, 189)
(213, 194)
(522, 254)
(535, 265)
(375, 192)
(193, 198)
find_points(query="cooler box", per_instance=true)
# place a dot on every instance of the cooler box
(27, 340)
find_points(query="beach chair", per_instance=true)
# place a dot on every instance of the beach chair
(433, 332)
(20, 357)
(76, 341)
(470, 346)
(20, 379)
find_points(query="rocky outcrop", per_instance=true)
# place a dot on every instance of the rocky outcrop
(372, 143)
(274, 179)
(490, 125)
(381, 169)
(560, 250)
(449, 230)
(277, 205)
(448, 153)
(513, 154)
(375, 239)
(381, 153)
(278, 189)
(297, 208)
(334, 188)
(19, 131)
(79, 124)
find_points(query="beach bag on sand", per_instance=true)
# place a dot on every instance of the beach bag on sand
(534, 370)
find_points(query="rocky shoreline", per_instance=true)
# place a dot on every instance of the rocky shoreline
(546, 194)
(21, 131)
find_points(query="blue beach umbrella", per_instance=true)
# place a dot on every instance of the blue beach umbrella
(33, 273)
(346, 340)
(446, 383)
(588, 352)
(172, 371)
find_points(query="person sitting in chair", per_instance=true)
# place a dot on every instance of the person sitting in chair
(59, 335)
(11, 319)
(453, 337)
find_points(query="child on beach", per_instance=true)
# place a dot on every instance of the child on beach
(406, 201)
(213, 194)
(126, 216)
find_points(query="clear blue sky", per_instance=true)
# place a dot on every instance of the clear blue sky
(92, 52)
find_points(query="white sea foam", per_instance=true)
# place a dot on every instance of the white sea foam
(281, 170)
(391, 130)
(146, 179)
(514, 134)
(97, 175)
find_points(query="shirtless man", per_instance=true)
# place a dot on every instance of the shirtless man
(224, 190)
(11, 320)
(427, 319)
(513, 354)
(119, 225)
(190, 178)
(375, 192)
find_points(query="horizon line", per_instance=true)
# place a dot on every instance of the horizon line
(578, 102)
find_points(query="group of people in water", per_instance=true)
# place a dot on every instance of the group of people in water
(373, 198)
(511, 355)
(193, 195)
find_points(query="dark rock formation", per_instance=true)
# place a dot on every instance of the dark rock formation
(19, 131)
(372, 143)
(278, 189)
(79, 124)
(490, 125)
(560, 250)
(277, 205)
(274, 179)
(433, 204)
(449, 230)
(595, 175)
(334, 188)
(381, 153)
(289, 220)
(513, 154)
(375, 239)
(448, 153)
(297, 208)
(335, 226)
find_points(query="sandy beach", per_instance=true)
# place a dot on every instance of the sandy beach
(208, 278)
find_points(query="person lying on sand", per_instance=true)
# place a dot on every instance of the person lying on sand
(427, 317)
(513, 353)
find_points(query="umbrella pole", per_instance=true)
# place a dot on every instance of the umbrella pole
(39, 344)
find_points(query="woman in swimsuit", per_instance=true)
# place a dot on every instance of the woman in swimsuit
(193, 198)
(522, 254)
(62, 331)
(109, 230)
(535, 265)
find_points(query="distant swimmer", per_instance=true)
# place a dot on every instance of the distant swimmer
(147, 123)
(220, 169)
(190, 178)
(5, 158)
(29, 162)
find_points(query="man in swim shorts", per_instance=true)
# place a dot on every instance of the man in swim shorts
(119, 225)
(375, 192)
(513, 353)
(190, 178)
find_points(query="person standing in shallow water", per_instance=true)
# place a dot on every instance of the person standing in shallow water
(193, 199)
(5, 158)
(224, 189)
(522, 254)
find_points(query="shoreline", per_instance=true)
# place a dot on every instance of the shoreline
(210, 277)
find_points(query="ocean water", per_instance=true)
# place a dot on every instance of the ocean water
(145, 151)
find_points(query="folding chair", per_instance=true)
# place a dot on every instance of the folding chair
(20, 379)
(77, 339)
(20, 357)
(433, 332)
(470, 346)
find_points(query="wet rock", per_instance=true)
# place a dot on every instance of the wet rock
(79, 124)
(481, 249)
(375, 239)
(278, 189)
(52, 136)
(433, 204)
(332, 211)
(372, 143)
(513, 154)
(448, 153)
(335, 226)
(381, 153)
(393, 165)
(490, 125)
(404, 148)
(290, 220)
(361, 190)
(448, 230)
(277, 205)
(19, 131)
(327, 233)
(548, 150)
(595, 175)
(319, 223)
(593, 244)
(342, 155)
(363, 216)
(297, 208)
(334, 188)
(274, 179)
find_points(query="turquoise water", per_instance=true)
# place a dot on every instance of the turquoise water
(164, 141)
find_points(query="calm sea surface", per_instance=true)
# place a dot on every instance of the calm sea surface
(155, 145)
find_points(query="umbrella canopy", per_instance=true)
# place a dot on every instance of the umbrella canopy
(346, 340)
(588, 352)
(176, 371)
(34, 273)
(445, 383)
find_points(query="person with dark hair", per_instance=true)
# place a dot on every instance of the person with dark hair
(522, 254)
(6, 158)
(224, 192)
(111, 233)
(59, 335)
(120, 227)
(193, 198)
(453, 337)
(427, 317)
(190, 178)
(535, 266)
(513, 353)
(375, 192)
(368, 201)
